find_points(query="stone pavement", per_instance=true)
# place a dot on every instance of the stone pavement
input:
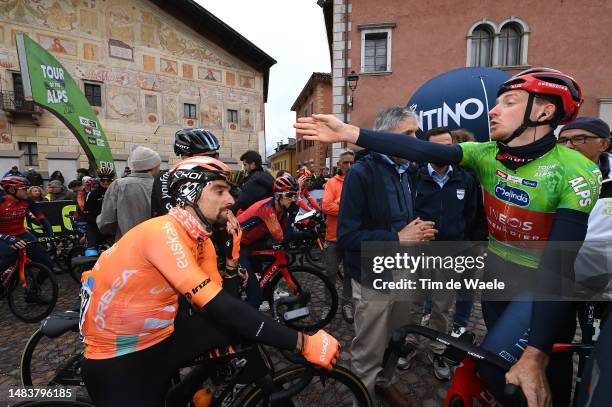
(418, 382)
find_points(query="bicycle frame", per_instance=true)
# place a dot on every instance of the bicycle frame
(279, 264)
(18, 267)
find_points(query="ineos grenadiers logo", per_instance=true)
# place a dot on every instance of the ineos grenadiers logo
(513, 195)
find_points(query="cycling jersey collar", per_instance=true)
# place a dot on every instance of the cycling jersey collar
(515, 157)
(190, 223)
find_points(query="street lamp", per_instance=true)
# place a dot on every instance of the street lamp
(352, 83)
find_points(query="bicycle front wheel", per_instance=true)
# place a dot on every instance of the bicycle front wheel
(318, 298)
(339, 387)
(37, 300)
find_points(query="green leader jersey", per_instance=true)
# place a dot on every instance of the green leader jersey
(520, 205)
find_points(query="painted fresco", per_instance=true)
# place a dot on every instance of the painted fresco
(58, 45)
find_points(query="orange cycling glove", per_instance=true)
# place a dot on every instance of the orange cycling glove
(321, 349)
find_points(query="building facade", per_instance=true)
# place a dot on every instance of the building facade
(395, 46)
(284, 157)
(148, 68)
(315, 97)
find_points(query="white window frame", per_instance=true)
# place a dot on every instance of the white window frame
(496, 30)
(524, 28)
(493, 29)
(605, 109)
(386, 28)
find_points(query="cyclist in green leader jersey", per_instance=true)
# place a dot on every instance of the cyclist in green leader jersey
(534, 190)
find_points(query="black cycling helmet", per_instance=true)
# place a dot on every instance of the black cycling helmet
(195, 141)
(106, 173)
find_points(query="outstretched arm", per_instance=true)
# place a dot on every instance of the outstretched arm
(328, 129)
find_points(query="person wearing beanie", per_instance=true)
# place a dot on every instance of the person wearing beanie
(591, 137)
(127, 201)
(58, 192)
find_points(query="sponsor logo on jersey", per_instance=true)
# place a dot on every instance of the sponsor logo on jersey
(109, 295)
(175, 245)
(518, 180)
(545, 170)
(513, 195)
(198, 287)
(583, 190)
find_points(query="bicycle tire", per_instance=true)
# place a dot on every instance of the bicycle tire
(318, 387)
(15, 290)
(314, 279)
(39, 365)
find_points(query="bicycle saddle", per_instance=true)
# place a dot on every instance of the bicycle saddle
(57, 324)
(87, 261)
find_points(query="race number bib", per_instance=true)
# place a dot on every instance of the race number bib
(85, 295)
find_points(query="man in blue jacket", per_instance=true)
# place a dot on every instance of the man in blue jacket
(445, 195)
(376, 206)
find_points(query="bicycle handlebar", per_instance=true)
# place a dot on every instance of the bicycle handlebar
(397, 344)
(513, 393)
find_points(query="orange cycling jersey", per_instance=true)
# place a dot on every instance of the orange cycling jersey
(130, 297)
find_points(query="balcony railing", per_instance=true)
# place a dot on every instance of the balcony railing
(14, 103)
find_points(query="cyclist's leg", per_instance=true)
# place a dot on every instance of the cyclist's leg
(36, 252)
(507, 337)
(253, 291)
(8, 255)
(94, 237)
(136, 379)
(196, 334)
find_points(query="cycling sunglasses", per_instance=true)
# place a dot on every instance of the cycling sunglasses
(290, 195)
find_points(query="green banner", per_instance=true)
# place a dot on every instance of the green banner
(48, 84)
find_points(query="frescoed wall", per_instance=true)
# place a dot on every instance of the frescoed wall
(148, 66)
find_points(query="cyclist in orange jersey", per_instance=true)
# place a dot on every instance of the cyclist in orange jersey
(135, 337)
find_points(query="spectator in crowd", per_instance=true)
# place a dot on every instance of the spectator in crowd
(257, 185)
(590, 136)
(14, 171)
(306, 200)
(81, 195)
(445, 195)
(126, 171)
(331, 208)
(127, 201)
(318, 181)
(82, 172)
(34, 177)
(57, 175)
(93, 206)
(58, 192)
(282, 173)
(377, 206)
(75, 186)
(36, 194)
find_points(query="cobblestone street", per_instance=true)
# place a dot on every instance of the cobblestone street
(418, 382)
